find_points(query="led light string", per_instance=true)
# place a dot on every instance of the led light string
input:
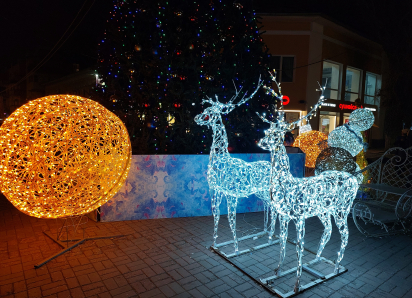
(62, 155)
(231, 178)
(330, 193)
(163, 112)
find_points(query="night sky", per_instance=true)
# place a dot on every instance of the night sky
(27, 26)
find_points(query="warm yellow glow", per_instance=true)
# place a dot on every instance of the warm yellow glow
(62, 155)
(170, 119)
(311, 142)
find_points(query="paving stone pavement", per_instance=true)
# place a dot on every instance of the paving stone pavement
(170, 258)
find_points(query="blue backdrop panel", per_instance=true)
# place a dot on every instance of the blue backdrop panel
(166, 186)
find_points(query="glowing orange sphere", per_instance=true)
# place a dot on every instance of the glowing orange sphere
(312, 143)
(62, 155)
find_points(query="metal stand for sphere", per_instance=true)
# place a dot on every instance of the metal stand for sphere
(64, 243)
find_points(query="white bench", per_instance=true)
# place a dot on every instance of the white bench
(385, 205)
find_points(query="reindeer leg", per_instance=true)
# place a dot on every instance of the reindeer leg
(216, 200)
(273, 215)
(283, 235)
(300, 230)
(231, 214)
(265, 215)
(326, 221)
(342, 224)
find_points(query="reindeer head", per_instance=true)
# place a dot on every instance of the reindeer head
(213, 113)
(275, 135)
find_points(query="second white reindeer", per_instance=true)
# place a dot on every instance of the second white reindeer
(329, 194)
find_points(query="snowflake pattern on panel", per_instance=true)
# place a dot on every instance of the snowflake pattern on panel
(167, 186)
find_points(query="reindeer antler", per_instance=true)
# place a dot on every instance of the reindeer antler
(208, 100)
(271, 91)
(279, 96)
(228, 107)
(230, 103)
(263, 118)
(243, 99)
(313, 109)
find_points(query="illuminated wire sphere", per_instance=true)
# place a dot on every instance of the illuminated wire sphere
(312, 143)
(62, 155)
(348, 136)
(335, 159)
(343, 137)
(361, 119)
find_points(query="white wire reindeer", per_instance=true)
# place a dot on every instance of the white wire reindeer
(229, 177)
(330, 193)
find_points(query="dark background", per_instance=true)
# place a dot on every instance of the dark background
(33, 28)
(30, 27)
(27, 26)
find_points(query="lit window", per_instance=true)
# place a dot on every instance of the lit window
(328, 121)
(372, 86)
(284, 66)
(352, 84)
(331, 77)
(346, 118)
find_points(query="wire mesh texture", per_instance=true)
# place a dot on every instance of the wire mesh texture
(296, 199)
(384, 206)
(230, 178)
(62, 155)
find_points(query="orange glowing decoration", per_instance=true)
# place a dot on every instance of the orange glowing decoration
(62, 155)
(312, 143)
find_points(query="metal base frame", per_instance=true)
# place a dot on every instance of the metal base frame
(268, 283)
(64, 243)
(257, 235)
(66, 248)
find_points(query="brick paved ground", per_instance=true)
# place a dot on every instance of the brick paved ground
(169, 258)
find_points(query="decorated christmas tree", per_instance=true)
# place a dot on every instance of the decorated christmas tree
(159, 59)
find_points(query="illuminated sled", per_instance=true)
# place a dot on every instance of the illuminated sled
(232, 178)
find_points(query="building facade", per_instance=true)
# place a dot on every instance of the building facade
(310, 49)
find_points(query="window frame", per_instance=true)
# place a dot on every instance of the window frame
(329, 114)
(280, 70)
(359, 93)
(378, 86)
(339, 90)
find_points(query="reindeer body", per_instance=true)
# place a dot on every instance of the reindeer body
(308, 195)
(251, 177)
(330, 193)
(229, 177)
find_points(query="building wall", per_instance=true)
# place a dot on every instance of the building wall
(290, 39)
(312, 40)
(351, 50)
